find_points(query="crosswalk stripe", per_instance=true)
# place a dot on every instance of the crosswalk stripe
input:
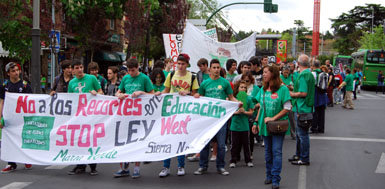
(16, 185)
(56, 167)
(381, 164)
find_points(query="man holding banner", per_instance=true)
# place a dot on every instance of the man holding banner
(215, 87)
(183, 82)
(83, 83)
(135, 84)
(14, 85)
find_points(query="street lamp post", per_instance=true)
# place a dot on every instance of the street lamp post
(35, 55)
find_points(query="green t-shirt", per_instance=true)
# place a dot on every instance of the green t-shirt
(130, 84)
(349, 82)
(230, 77)
(157, 88)
(302, 85)
(287, 80)
(165, 73)
(205, 76)
(274, 105)
(253, 98)
(294, 76)
(219, 88)
(240, 122)
(43, 81)
(83, 85)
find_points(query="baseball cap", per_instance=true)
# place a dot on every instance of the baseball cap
(11, 65)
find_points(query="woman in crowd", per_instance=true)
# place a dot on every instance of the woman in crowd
(275, 104)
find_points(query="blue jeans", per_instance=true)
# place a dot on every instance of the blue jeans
(273, 157)
(166, 163)
(303, 142)
(221, 139)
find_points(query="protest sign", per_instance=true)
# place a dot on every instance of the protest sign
(82, 128)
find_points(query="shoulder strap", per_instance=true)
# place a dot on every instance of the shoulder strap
(171, 75)
(264, 105)
(192, 82)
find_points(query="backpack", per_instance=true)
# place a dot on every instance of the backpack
(322, 82)
(192, 79)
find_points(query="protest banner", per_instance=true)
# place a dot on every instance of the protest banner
(173, 43)
(82, 128)
(198, 45)
(281, 51)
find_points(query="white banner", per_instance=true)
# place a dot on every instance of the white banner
(212, 33)
(82, 128)
(198, 45)
(172, 45)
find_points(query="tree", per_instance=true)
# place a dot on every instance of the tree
(374, 40)
(87, 20)
(16, 25)
(349, 27)
(146, 21)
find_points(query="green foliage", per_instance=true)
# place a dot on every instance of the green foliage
(349, 27)
(373, 41)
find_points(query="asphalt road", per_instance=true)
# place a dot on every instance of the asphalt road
(346, 156)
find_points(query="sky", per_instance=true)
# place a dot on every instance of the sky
(252, 17)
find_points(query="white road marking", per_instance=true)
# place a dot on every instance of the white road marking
(348, 139)
(381, 164)
(56, 167)
(302, 177)
(16, 185)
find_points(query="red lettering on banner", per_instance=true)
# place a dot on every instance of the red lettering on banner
(113, 103)
(73, 128)
(98, 131)
(22, 104)
(174, 128)
(97, 134)
(82, 105)
(138, 106)
(91, 107)
(27, 106)
(62, 131)
(87, 143)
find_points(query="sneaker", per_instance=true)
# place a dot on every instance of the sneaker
(193, 158)
(8, 169)
(213, 158)
(77, 170)
(122, 173)
(294, 158)
(232, 165)
(250, 164)
(181, 171)
(200, 171)
(136, 173)
(223, 171)
(28, 166)
(94, 172)
(164, 172)
(263, 143)
(299, 162)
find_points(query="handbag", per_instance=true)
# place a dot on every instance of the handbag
(304, 120)
(275, 127)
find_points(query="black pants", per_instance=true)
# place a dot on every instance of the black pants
(84, 166)
(318, 125)
(251, 138)
(239, 140)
